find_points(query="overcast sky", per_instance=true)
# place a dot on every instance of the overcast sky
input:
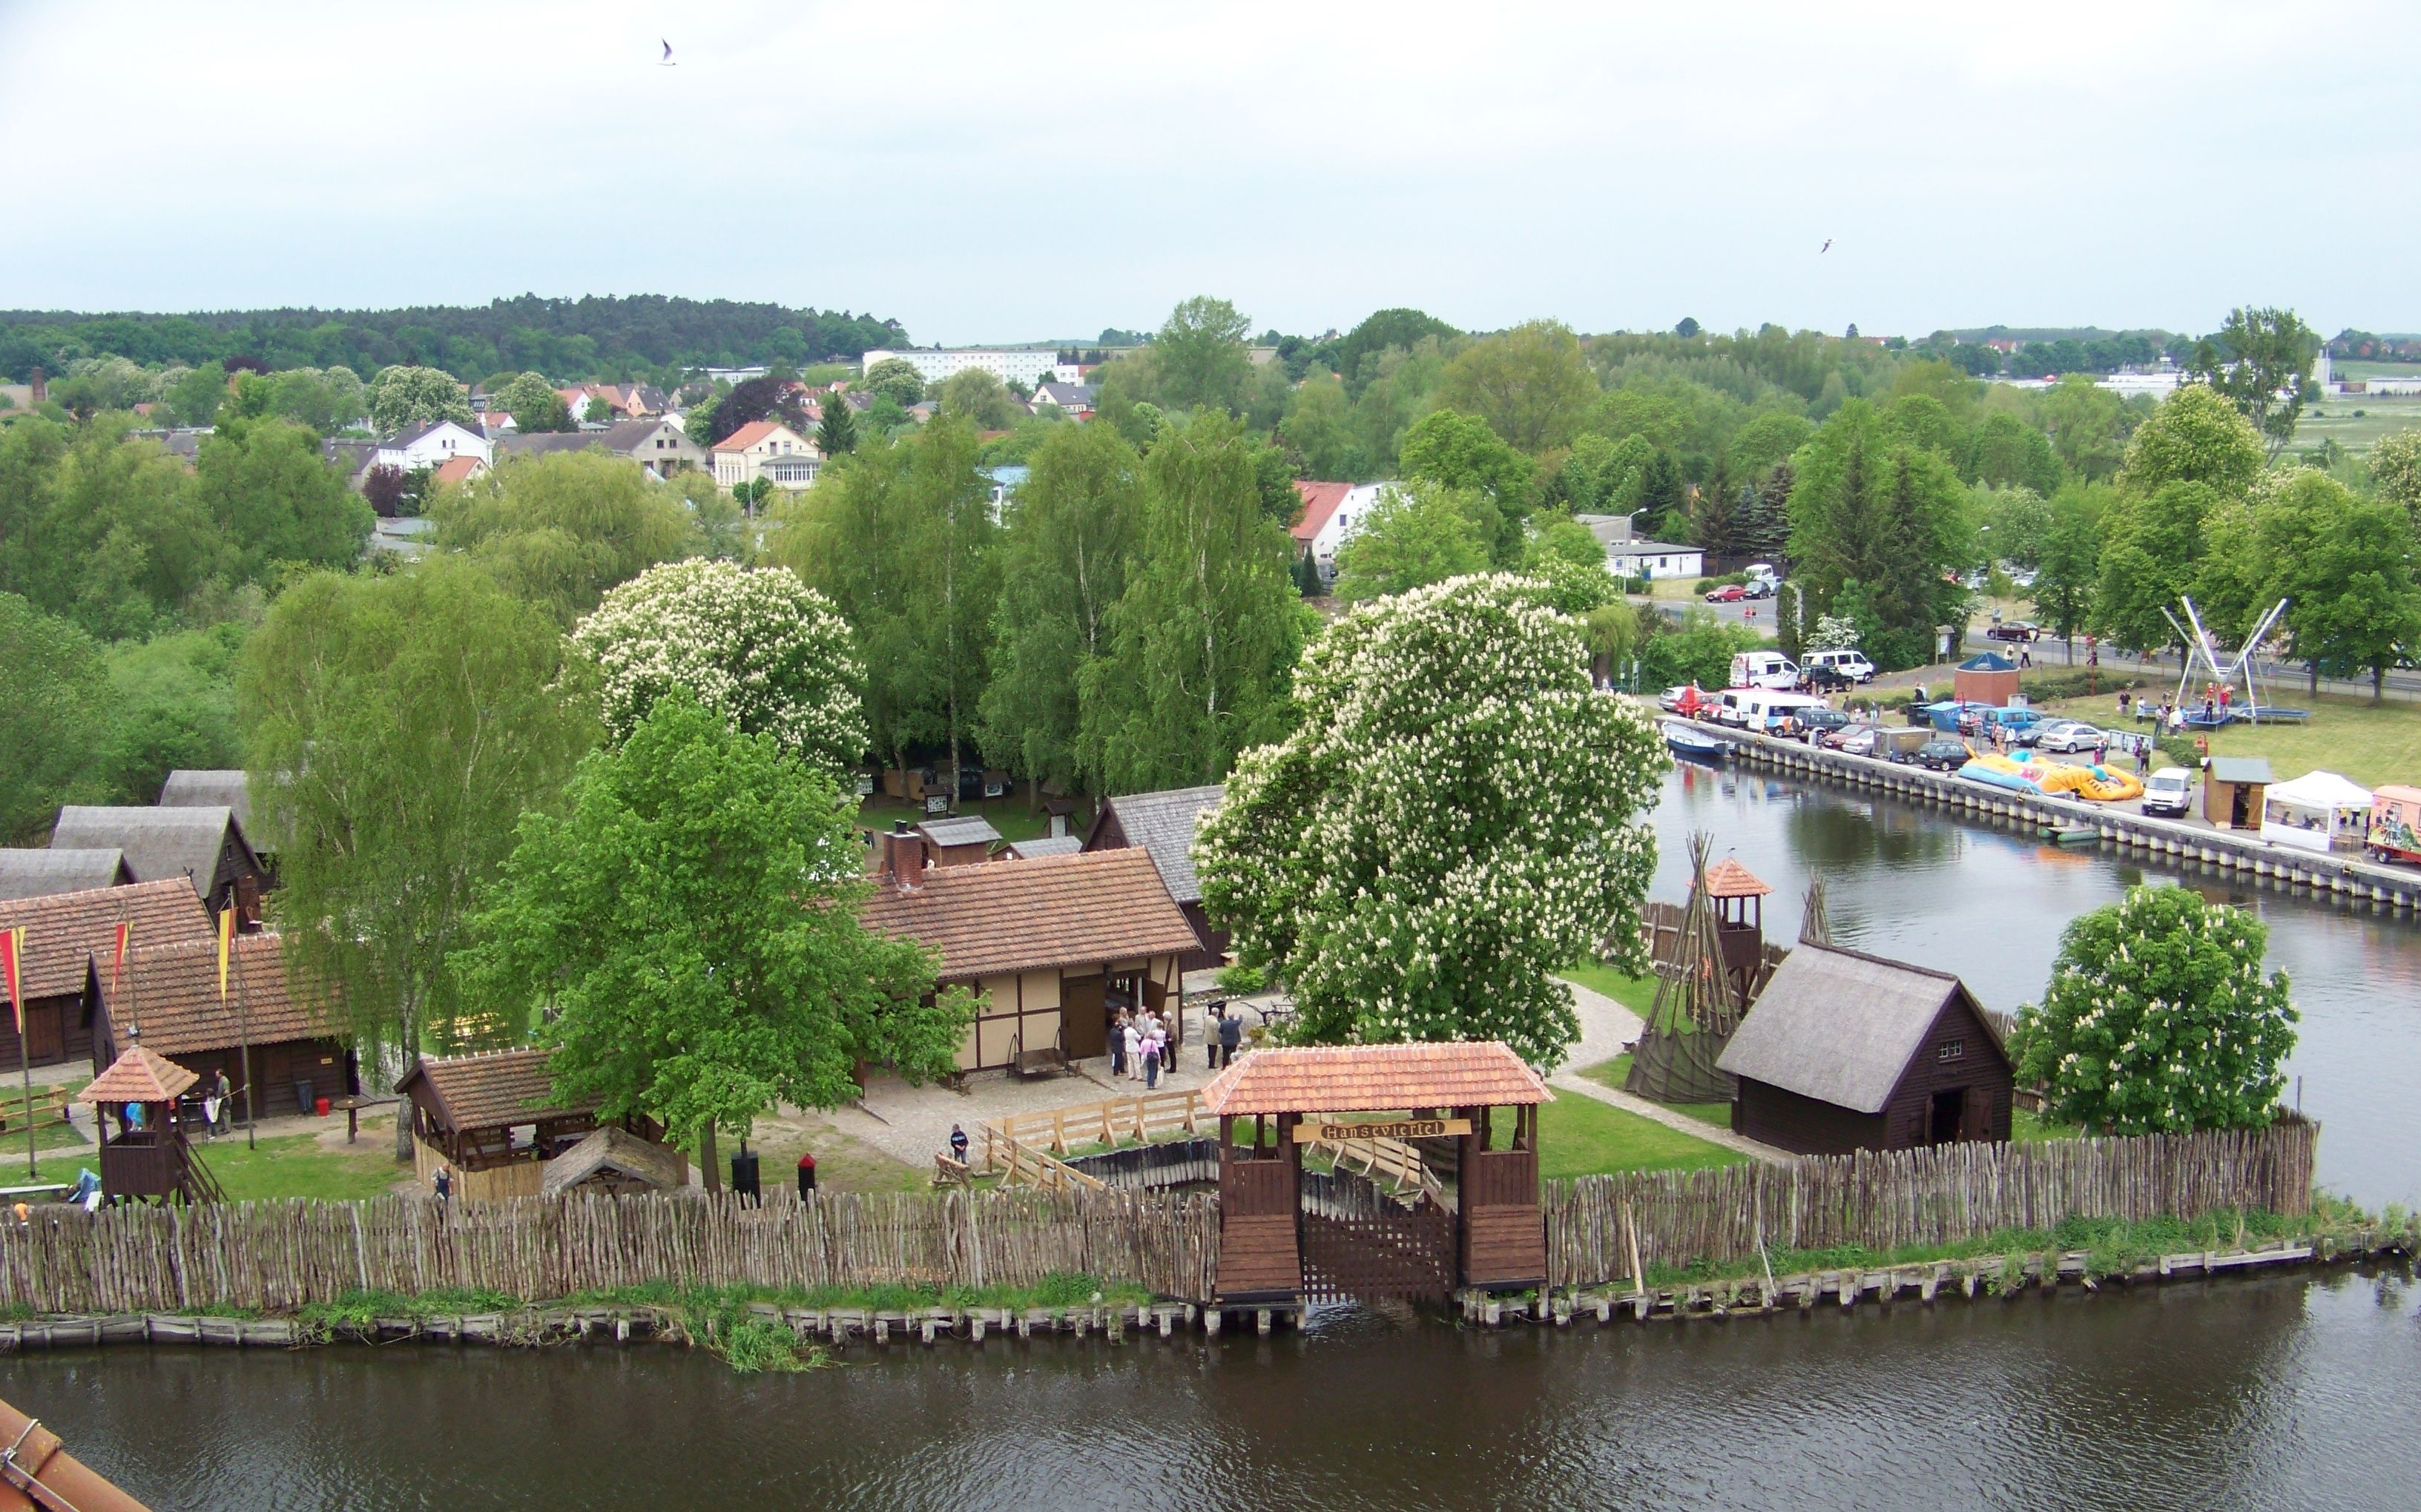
(1006, 172)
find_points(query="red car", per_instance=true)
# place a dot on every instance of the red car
(1728, 593)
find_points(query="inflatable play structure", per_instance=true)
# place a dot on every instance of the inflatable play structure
(2100, 784)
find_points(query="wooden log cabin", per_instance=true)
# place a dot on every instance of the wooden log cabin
(204, 845)
(492, 1121)
(64, 931)
(1050, 946)
(275, 1033)
(28, 873)
(1846, 1051)
(1162, 825)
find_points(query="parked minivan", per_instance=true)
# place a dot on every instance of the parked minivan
(1850, 664)
(1765, 711)
(1763, 669)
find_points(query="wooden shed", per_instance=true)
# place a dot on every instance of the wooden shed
(64, 931)
(204, 845)
(1846, 1051)
(40, 873)
(494, 1122)
(956, 842)
(2233, 788)
(294, 1033)
(1985, 677)
(1050, 946)
(1162, 825)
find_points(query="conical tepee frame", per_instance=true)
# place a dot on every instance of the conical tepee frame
(1815, 924)
(1697, 1008)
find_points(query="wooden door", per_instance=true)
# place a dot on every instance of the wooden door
(45, 1034)
(1084, 1015)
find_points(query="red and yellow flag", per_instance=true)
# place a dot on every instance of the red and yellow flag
(117, 962)
(12, 955)
(226, 935)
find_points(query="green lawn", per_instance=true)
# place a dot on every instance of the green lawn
(2381, 417)
(1610, 1074)
(1579, 1135)
(1009, 816)
(297, 1165)
(2028, 1128)
(1637, 994)
(2373, 743)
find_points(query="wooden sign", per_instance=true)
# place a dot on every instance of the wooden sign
(1312, 1134)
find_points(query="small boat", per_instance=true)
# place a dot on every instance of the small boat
(2064, 834)
(1690, 741)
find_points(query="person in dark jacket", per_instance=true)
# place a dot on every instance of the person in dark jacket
(1231, 1034)
(959, 1144)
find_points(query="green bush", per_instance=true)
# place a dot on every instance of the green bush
(1241, 979)
(1727, 580)
(2181, 750)
(2078, 682)
(1631, 584)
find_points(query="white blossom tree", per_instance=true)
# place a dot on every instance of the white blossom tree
(1834, 632)
(755, 646)
(1457, 818)
(2158, 1020)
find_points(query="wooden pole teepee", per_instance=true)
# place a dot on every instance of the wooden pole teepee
(1696, 1010)
(1815, 925)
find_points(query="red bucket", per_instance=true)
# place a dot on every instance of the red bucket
(322, 1105)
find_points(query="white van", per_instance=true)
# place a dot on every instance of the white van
(1765, 711)
(1850, 664)
(1763, 669)
(1758, 572)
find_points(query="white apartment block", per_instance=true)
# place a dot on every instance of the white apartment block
(1009, 367)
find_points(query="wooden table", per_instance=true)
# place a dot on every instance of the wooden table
(353, 1104)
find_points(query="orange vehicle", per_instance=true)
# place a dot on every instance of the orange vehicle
(2395, 824)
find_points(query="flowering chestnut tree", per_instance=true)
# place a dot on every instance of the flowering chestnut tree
(2158, 1020)
(1456, 818)
(755, 645)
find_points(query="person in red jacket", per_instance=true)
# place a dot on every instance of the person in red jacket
(806, 1173)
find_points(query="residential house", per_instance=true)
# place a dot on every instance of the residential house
(661, 446)
(495, 422)
(275, 1032)
(1075, 399)
(741, 456)
(1655, 559)
(457, 471)
(64, 933)
(30, 873)
(352, 460)
(1052, 947)
(1162, 826)
(1330, 511)
(433, 444)
(203, 846)
(628, 401)
(1843, 1050)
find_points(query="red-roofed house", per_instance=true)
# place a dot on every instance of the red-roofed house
(1330, 512)
(766, 449)
(458, 469)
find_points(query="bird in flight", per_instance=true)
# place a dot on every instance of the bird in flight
(1820, 251)
(666, 62)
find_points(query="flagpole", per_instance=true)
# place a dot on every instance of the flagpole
(24, 1058)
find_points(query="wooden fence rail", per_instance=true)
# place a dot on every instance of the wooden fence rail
(278, 1256)
(1882, 1201)
(1102, 1123)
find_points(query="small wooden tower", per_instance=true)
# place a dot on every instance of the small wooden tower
(1737, 896)
(145, 1155)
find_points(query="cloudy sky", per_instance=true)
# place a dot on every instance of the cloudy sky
(1006, 172)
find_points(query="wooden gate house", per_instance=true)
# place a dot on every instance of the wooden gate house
(1276, 1247)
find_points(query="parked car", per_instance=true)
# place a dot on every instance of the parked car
(1851, 739)
(1942, 755)
(2069, 734)
(1728, 593)
(1821, 677)
(2015, 629)
(1671, 699)
(2169, 790)
(1813, 725)
(1758, 588)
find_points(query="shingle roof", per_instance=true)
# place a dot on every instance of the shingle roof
(495, 1090)
(171, 994)
(1055, 911)
(749, 435)
(63, 930)
(617, 1151)
(970, 830)
(2242, 769)
(1163, 824)
(138, 1076)
(40, 873)
(459, 467)
(1049, 845)
(1839, 1026)
(208, 787)
(405, 438)
(1729, 879)
(160, 843)
(1319, 501)
(1374, 1079)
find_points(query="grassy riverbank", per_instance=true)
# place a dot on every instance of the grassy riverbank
(2373, 743)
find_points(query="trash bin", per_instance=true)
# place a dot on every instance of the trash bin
(319, 1106)
(744, 1172)
(806, 1175)
(302, 1095)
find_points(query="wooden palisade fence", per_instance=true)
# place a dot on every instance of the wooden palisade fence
(1939, 1196)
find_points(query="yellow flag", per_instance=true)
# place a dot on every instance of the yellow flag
(226, 935)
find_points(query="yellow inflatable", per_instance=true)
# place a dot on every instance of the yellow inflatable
(2100, 784)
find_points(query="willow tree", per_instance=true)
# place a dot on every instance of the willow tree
(1203, 638)
(1459, 817)
(395, 728)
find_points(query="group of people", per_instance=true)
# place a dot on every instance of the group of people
(1139, 1045)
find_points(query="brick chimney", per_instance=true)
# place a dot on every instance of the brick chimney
(903, 855)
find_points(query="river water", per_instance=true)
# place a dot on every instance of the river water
(2254, 1393)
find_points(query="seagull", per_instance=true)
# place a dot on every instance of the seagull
(666, 62)
(1820, 251)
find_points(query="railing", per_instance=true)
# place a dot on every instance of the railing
(1391, 1160)
(1021, 1165)
(1100, 1123)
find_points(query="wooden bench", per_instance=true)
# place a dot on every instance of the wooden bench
(1032, 1062)
(948, 1172)
(50, 1106)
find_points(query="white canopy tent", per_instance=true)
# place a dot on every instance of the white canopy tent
(2317, 811)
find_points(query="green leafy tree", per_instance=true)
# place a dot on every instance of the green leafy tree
(2395, 471)
(1414, 536)
(754, 646)
(1663, 497)
(1531, 385)
(1422, 855)
(1459, 452)
(396, 727)
(2261, 362)
(197, 394)
(560, 529)
(55, 721)
(2005, 452)
(684, 934)
(1767, 442)
(836, 431)
(1320, 427)
(534, 406)
(2087, 426)
(112, 535)
(1867, 506)
(896, 379)
(1600, 476)
(276, 501)
(2344, 565)
(1199, 356)
(1066, 546)
(2157, 1019)
(1205, 635)
(2195, 436)
(2152, 554)
(977, 398)
(2070, 564)
(403, 397)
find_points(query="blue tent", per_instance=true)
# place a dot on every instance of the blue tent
(1988, 661)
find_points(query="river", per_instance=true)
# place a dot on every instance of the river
(2251, 1392)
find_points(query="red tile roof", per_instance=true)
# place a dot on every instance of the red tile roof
(138, 1076)
(170, 993)
(458, 469)
(1729, 879)
(63, 930)
(748, 435)
(496, 1090)
(1374, 1079)
(1052, 910)
(1319, 501)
